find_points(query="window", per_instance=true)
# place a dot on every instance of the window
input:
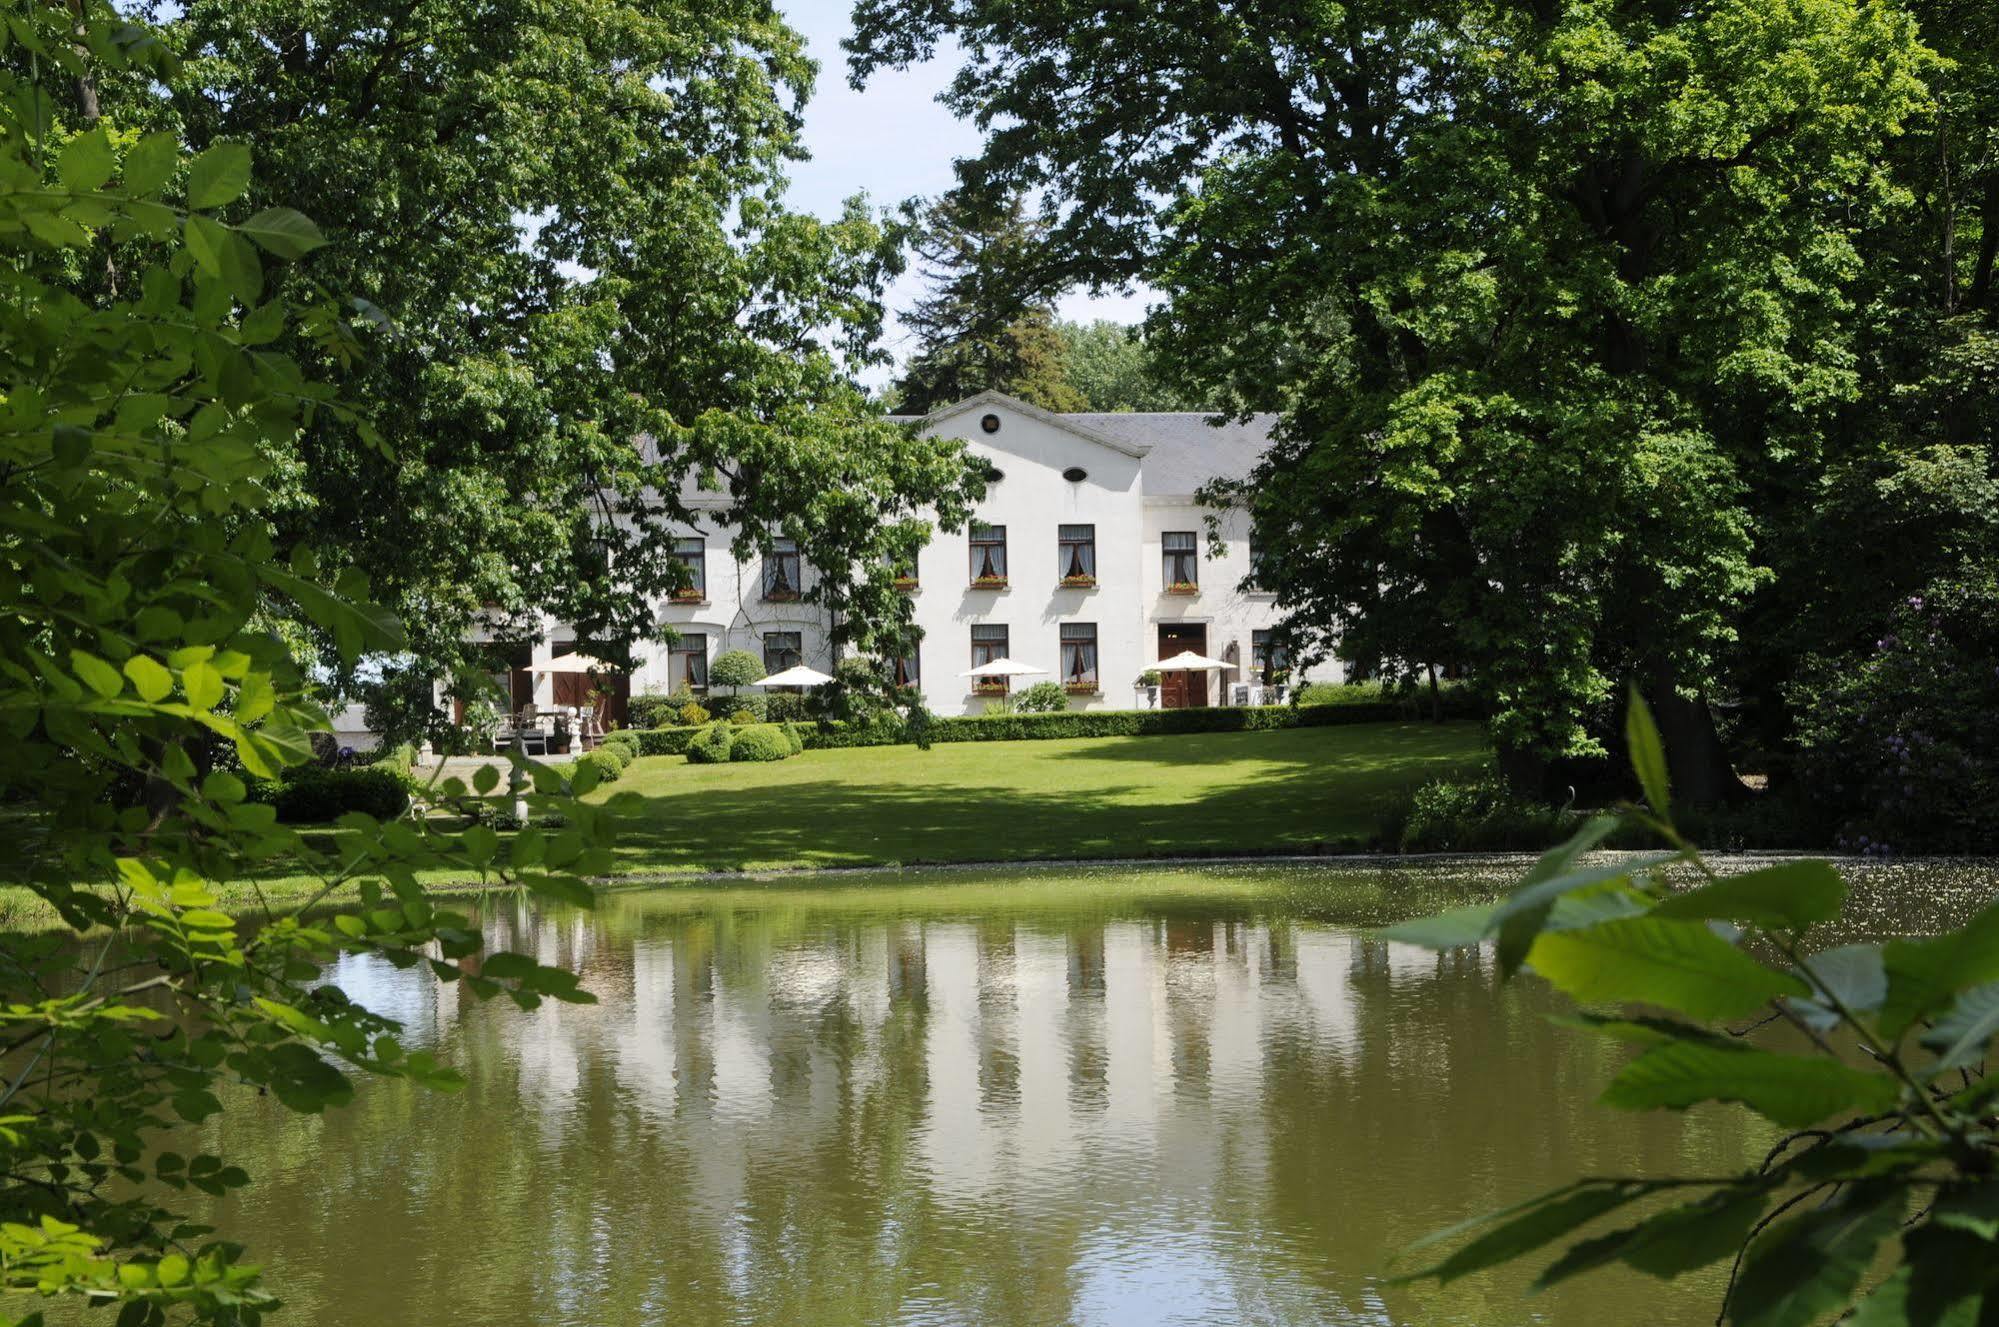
(693, 555)
(908, 670)
(1183, 560)
(1076, 547)
(781, 571)
(1267, 656)
(687, 662)
(782, 650)
(1079, 656)
(988, 554)
(1257, 583)
(988, 643)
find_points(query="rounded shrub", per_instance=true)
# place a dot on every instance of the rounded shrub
(1042, 698)
(795, 737)
(744, 718)
(693, 715)
(615, 753)
(711, 745)
(759, 742)
(735, 668)
(608, 764)
(626, 743)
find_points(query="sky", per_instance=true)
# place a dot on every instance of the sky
(891, 142)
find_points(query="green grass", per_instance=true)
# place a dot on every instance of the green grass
(1195, 794)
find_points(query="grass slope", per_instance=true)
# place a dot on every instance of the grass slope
(1203, 793)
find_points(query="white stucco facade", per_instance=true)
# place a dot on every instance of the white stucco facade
(1131, 494)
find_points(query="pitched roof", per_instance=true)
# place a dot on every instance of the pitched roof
(1179, 449)
(1186, 451)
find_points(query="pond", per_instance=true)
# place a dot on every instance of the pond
(1062, 1095)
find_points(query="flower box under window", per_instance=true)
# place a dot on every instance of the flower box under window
(904, 583)
(1081, 688)
(689, 596)
(989, 686)
(780, 596)
(1079, 582)
(988, 582)
(1183, 587)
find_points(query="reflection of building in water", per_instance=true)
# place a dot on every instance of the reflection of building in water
(1083, 1031)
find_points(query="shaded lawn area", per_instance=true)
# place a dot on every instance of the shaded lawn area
(1198, 793)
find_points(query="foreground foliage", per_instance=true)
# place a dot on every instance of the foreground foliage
(1890, 1104)
(142, 688)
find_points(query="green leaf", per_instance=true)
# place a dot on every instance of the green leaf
(1805, 1270)
(206, 239)
(283, 232)
(1669, 1243)
(1851, 974)
(151, 163)
(58, 231)
(1523, 913)
(357, 628)
(1681, 965)
(1973, 1208)
(1960, 1036)
(1924, 974)
(99, 676)
(1447, 930)
(1648, 753)
(218, 175)
(203, 685)
(1532, 1229)
(242, 270)
(1793, 895)
(86, 162)
(149, 678)
(1795, 1091)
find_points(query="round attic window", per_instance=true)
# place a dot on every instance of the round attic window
(990, 423)
(1075, 474)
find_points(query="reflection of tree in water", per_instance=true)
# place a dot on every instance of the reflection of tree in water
(744, 1130)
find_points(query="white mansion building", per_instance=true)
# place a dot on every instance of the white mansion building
(1089, 559)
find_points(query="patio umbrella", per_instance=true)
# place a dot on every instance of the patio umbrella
(1002, 668)
(576, 663)
(799, 676)
(1189, 662)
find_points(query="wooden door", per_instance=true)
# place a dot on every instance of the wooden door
(1178, 691)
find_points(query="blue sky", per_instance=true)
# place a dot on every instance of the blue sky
(891, 142)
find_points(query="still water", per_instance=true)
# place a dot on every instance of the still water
(1040, 1097)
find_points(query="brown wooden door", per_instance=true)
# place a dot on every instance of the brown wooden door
(1179, 691)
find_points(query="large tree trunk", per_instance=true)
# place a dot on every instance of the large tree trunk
(1697, 761)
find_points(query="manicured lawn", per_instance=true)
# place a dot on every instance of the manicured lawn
(1199, 793)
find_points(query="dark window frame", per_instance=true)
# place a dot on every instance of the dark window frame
(1267, 654)
(1072, 637)
(679, 653)
(1004, 640)
(783, 555)
(994, 537)
(1076, 554)
(696, 560)
(1175, 560)
(795, 651)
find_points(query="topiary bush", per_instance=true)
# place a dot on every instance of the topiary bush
(693, 715)
(735, 668)
(607, 761)
(710, 746)
(761, 742)
(312, 795)
(744, 718)
(1042, 698)
(796, 736)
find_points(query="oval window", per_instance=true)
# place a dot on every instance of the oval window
(990, 423)
(1075, 474)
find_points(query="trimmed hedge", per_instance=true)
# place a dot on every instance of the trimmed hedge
(313, 795)
(891, 730)
(710, 746)
(794, 736)
(761, 742)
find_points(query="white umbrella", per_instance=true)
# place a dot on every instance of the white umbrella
(576, 663)
(800, 676)
(1189, 662)
(1002, 668)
